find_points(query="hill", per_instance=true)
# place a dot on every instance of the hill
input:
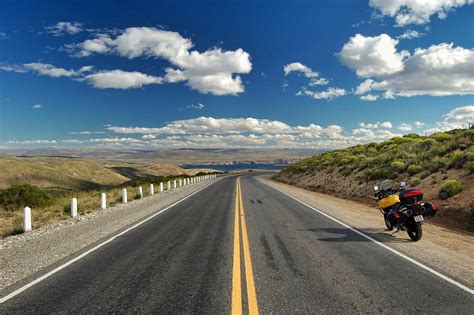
(78, 174)
(423, 162)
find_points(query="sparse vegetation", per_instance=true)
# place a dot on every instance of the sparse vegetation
(425, 162)
(398, 157)
(450, 188)
(414, 181)
(53, 204)
(18, 196)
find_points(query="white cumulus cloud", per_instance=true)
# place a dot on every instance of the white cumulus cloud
(62, 28)
(369, 97)
(118, 79)
(212, 71)
(438, 70)
(404, 127)
(372, 56)
(329, 94)
(407, 12)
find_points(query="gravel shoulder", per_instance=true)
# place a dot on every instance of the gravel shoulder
(27, 256)
(448, 251)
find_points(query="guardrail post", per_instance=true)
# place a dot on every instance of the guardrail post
(26, 219)
(152, 190)
(174, 184)
(103, 201)
(168, 185)
(140, 191)
(124, 195)
(161, 187)
(74, 208)
(180, 182)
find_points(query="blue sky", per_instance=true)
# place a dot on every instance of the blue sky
(158, 74)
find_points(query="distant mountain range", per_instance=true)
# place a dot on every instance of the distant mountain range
(174, 156)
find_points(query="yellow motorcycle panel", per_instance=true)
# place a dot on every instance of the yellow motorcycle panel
(389, 201)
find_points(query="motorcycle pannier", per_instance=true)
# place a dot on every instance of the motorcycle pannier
(411, 196)
(429, 210)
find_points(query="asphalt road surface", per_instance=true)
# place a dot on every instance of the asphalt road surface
(240, 246)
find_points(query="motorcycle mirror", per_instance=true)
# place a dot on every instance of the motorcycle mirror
(376, 188)
(403, 184)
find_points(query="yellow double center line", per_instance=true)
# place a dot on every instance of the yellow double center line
(236, 272)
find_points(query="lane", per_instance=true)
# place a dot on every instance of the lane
(246, 248)
(305, 263)
(180, 261)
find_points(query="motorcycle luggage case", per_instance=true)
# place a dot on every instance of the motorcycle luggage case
(411, 196)
(429, 210)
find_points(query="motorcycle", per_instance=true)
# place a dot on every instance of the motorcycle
(402, 209)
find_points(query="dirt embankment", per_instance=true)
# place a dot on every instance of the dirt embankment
(456, 212)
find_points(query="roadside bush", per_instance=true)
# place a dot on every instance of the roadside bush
(457, 159)
(441, 136)
(414, 181)
(470, 167)
(398, 166)
(381, 173)
(450, 188)
(414, 169)
(17, 196)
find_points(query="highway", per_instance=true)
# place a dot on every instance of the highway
(240, 246)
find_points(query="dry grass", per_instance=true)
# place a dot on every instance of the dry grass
(11, 222)
(67, 173)
(66, 178)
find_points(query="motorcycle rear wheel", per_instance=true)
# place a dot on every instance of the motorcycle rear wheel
(415, 231)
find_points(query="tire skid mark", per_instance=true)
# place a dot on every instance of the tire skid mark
(287, 256)
(268, 253)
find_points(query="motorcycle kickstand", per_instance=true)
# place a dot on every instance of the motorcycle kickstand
(395, 232)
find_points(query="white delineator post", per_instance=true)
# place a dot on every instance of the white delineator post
(26, 219)
(161, 187)
(124, 195)
(140, 191)
(74, 207)
(103, 201)
(152, 190)
(168, 185)
(180, 182)
(174, 184)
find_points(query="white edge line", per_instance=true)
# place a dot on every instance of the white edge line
(436, 273)
(47, 275)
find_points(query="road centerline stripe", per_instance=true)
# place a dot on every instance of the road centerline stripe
(236, 269)
(249, 277)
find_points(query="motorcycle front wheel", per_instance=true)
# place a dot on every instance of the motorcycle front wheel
(415, 231)
(388, 225)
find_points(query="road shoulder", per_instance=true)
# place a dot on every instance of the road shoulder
(26, 256)
(447, 251)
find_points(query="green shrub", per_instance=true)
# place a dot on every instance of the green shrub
(450, 188)
(414, 181)
(470, 166)
(414, 169)
(442, 136)
(457, 159)
(398, 166)
(18, 196)
(424, 174)
(381, 173)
